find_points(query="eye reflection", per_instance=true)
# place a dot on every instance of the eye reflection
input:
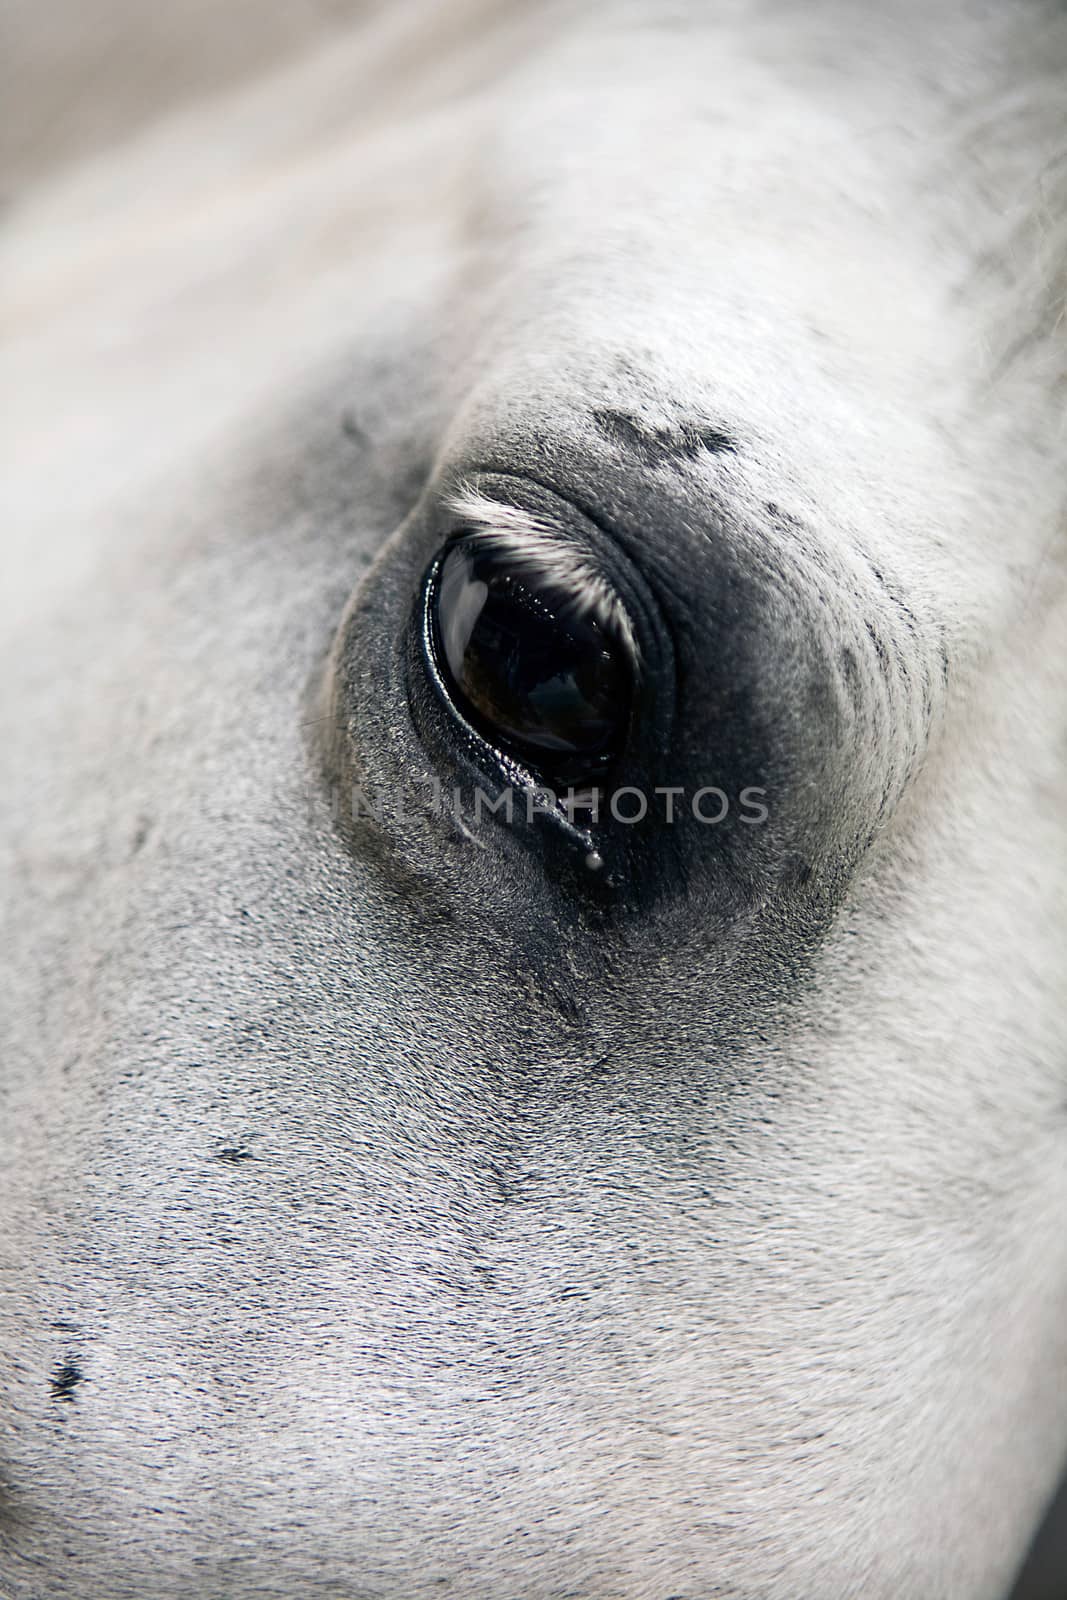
(532, 660)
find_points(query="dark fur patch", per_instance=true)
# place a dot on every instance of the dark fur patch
(65, 1380)
(658, 447)
(234, 1154)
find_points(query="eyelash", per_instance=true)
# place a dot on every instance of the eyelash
(536, 549)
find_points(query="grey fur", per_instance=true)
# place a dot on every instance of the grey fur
(373, 1225)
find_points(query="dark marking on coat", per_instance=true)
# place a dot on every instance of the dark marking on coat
(234, 1154)
(354, 430)
(141, 834)
(65, 1380)
(664, 446)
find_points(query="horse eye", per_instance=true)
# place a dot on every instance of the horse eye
(537, 664)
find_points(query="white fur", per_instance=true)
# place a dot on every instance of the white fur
(384, 1275)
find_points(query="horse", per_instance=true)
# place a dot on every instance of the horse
(534, 826)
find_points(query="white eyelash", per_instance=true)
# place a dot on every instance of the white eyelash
(539, 548)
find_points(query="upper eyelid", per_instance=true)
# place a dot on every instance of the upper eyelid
(533, 541)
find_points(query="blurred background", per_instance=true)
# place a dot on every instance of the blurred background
(78, 75)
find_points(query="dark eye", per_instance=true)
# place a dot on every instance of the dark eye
(537, 658)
